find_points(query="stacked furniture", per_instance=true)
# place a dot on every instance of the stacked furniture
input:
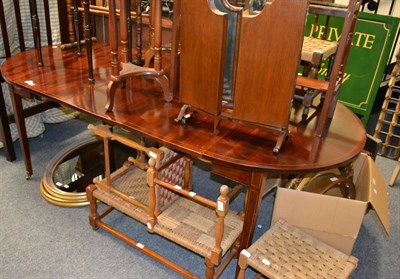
(316, 49)
(120, 72)
(261, 95)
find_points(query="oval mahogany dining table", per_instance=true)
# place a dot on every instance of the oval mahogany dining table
(242, 153)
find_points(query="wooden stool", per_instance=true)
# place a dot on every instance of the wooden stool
(313, 45)
(287, 252)
(313, 52)
(330, 86)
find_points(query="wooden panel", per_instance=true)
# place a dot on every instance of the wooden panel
(269, 52)
(240, 176)
(202, 57)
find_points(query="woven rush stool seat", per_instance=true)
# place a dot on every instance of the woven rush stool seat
(311, 45)
(285, 251)
(193, 226)
(132, 184)
(115, 201)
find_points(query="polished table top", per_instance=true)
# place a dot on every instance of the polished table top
(241, 153)
(140, 107)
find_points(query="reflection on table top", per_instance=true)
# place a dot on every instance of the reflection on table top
(140, 107)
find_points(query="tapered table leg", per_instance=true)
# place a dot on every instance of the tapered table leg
(16, 100)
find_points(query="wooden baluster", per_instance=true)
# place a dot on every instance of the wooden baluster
(88, 39)
(151, 175)
(4, 34)
(157, 35)
(123, 27)
(107, 161)
(149, 55)
(113, 38)
(188, 174)
(129, 23)
(70, 16)
(139, 60)
(48, 24)
(175, 48)
(77, 30)
(19, 26)
(127, 69)
(36, 30)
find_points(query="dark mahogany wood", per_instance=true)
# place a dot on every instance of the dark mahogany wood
(143, 110)
(264, 62)
(267, 65)
(174, 71)
(77, 25)
(263, 93)
(202, 60)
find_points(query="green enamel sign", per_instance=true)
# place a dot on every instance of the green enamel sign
(372, 43)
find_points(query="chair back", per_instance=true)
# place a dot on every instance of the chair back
(21, 28)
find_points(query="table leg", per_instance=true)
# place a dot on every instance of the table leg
(16, 100)
(253, 200)
(5, 134)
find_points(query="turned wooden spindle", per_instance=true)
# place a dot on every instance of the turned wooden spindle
(139, 60)
(113, 38)
(88, 39)
(77, 29)
(126, 70)
(36, 30)
(157, 17)
(123, 19)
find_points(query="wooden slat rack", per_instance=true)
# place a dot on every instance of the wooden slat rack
(388, 125)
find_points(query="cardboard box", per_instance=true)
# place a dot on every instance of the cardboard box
(336, 220)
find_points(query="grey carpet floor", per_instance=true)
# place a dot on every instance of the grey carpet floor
(41, 240)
